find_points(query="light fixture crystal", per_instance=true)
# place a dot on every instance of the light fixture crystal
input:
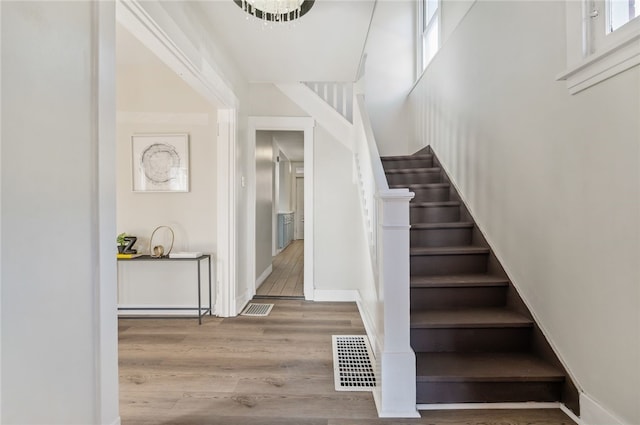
(275, 10)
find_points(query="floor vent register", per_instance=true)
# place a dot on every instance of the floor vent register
(257, 310)
(353, 363)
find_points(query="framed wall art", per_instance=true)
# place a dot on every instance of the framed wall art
(160, 162)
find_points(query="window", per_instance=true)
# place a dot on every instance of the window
(619, 12)
(610, 22)
(428, 32)
(602, 39)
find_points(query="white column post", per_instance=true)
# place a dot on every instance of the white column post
(396, 394)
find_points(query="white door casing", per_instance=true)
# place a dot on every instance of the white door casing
(299, 213)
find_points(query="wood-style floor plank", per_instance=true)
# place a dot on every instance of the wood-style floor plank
(286, 279)
(275, 370)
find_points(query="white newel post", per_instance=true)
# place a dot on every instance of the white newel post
(396, 394)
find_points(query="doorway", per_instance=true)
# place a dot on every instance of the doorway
(279, 256)
(280, 124)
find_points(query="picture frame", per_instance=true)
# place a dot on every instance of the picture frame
(160, 162)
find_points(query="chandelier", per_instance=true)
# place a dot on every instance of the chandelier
(275, 10)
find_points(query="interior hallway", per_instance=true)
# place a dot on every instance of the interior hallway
(274, 370)
(287, 278)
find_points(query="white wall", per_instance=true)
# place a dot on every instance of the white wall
(336, 215)
(59, 331)
(152, 99)
(285, 184)
(391, 41)
(267, 100)
(452, 13)
(264, 201)
(552, 179)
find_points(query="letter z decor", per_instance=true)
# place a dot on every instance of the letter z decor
(160, 162)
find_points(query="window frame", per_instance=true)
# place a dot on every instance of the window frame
(609, 18)
(601, 55)
(423, 31)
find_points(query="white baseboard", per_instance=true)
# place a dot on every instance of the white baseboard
(335, 295)
(265, 274)
(242, 300)
(409, 413)
(161, 310)
(489, 406)
(592, 413)
(116, 422)
(369, 327)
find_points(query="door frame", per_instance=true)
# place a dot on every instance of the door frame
(212, 86)
(306, 125)
(296, 231)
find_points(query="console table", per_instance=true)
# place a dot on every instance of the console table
(202, 310)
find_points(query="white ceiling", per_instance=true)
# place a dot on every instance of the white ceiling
(324, 45)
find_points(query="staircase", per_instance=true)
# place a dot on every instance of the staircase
(474, 339)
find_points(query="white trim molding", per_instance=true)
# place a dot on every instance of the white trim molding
(592, 413)
(161, 310)
(315, 106)
(105, 331)
(489, 406)
(369, 325)
(335, 295)
(604, 65)
(502, 406)
(242, 300)
(592, 55)
(226, 266)
(0, 222)
(265, 274)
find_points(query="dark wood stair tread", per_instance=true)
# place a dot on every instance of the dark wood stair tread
(458, 280)
(449, 250)
(413, 170)
(435, 204)
(443, 225)
(493, 367)
(426, 156)
(469, 318)
(420, 186)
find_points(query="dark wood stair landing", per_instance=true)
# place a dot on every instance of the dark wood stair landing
(475, 340)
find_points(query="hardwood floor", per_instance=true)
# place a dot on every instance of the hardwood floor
(275, 370)
(287, 278)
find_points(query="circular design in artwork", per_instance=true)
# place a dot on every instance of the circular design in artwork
(160, 163)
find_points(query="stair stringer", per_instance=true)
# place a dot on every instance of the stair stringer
(321, 111)
(541, 343)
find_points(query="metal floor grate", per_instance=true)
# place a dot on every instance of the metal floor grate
(258, 310)
(352, 363)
